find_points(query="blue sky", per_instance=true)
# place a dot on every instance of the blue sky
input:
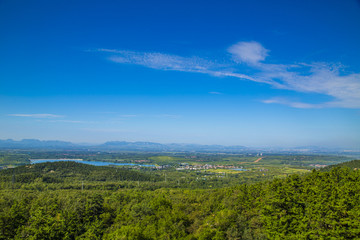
(253, 73)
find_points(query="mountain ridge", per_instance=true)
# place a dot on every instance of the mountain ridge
(113, 145)
(36, 144)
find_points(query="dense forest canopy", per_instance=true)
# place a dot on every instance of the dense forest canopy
(61, 170)
(354, 164)
(317, 205)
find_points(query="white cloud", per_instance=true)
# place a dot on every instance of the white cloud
(72, 121)
(160, 60)
(215, 93)
(38, 115)
(169, 62)
(290, 103)
(248, 52)
(320, 78)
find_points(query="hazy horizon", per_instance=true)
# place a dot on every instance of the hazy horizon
(250, 73)
(338, 147)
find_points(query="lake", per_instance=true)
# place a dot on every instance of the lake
(239, 169)
(95, 163)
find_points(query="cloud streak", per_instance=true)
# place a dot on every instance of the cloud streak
(37, 115)
(320, 78)
(72, 121)
(169, 62)
(294, 104)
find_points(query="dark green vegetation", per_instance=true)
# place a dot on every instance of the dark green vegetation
(354, 164)
(318, 205)
(13, 159)
(313, 206)
(277, 198)
(70, 175)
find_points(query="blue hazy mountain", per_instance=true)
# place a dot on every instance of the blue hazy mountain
(35, 144)
(116, 146)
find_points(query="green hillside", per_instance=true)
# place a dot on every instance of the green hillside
(318, 205)
(354, 164)
(52, 172)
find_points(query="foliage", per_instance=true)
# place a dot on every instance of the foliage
(354, 164)
(56, 172)
(318, 205)
(13, 159)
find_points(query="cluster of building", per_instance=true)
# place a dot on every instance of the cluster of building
(162, 167)
(141, 161)
(318, 165)
(185, 166)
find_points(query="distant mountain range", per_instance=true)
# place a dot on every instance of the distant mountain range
(156, 147)
(116, 146)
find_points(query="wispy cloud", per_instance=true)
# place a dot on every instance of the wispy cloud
(290, 103)
(160, 60)
(215, 93)
(37, 115)
(321, 78)
(47, 117)
(169, 62)
(72, 121)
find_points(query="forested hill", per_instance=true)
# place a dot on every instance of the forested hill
(52, 172)
(318, 205)
(354, 164)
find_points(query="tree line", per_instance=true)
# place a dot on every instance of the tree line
(319, 205)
